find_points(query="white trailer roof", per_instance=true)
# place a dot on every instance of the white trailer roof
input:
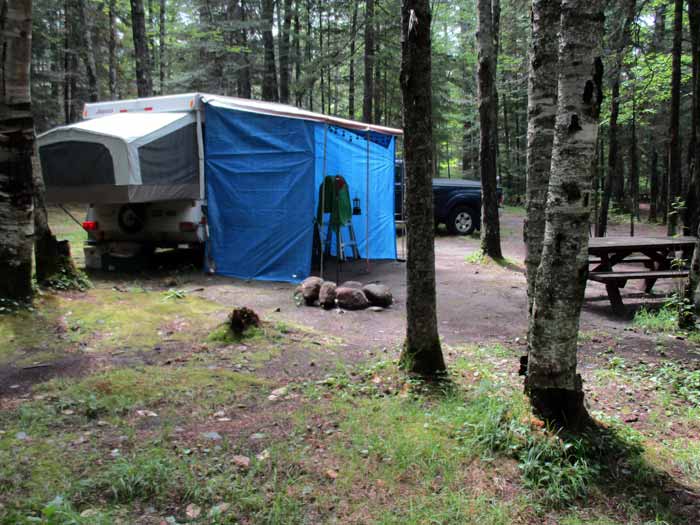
(125, 126)
(191, 101)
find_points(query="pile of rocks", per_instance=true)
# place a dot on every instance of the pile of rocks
(350, 295)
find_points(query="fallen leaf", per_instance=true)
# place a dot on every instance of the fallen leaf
(331, 474)
(193, 511)
(241, 461)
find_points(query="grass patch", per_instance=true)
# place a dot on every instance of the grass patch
(480, 258)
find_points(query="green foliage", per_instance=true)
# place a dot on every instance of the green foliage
(69, 279)
(557, 468)
(173, 294)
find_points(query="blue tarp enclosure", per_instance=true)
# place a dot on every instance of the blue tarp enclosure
(263, 175)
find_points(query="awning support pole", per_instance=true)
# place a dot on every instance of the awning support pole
(200, 152)
(323, 197)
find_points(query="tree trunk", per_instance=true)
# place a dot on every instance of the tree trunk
(16, 150)
(144, 84)
(368, 95)
(284, 52)
(488, 118)
(113, 49)
(653, 180)
(422, 353)
(161, 47)
(674, 145)
(614, 182)
(351, 79)
(541, 110)
(552, 382)
(692, 218)
(243, 87)
(686, 315)
(377, 89)
(70, 64)
(88, 53)
(269, 86)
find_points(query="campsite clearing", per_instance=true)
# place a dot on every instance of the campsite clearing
(146, 411)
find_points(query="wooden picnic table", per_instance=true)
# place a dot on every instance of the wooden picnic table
(654, 254)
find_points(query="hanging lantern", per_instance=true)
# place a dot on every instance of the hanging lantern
(356, 210)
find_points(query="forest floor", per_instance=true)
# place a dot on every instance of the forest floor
(128, 403)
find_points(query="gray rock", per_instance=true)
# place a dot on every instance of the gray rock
(214, 436)
(378, 295)
(309, 289)
(22, 436)
(351, 284)
(376, 309)
(326, 296)
(350, 298)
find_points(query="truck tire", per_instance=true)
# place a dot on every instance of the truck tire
(132, 218)
(461, 221)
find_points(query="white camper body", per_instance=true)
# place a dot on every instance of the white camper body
(138, 165)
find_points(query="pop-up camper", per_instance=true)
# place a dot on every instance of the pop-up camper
(241, 175)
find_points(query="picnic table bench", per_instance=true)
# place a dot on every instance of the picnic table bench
(655, 254)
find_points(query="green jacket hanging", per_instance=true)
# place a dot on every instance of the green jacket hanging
(334, 198)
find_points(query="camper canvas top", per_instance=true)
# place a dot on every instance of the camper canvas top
(193, 101)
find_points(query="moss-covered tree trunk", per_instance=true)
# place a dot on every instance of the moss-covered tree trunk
(486, 39)
(541, 110)
(552, 382)
(422, 353)
(16, 146)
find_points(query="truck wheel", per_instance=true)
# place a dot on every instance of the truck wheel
(132, 218)
(461, 221)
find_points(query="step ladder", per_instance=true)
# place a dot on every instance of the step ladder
(341, 244)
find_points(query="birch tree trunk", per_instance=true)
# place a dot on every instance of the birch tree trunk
(269, 86)
(16, 149)
(144, 83)
(488, 118)
(552, 383)
(422, 353)
(541, 110)
(368, 95)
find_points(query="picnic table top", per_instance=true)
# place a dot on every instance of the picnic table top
(633, 243)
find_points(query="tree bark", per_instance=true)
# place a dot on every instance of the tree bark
(488, 118)
(70, 64)
(653, 180)
(88, 53)
(269, 86)
(16, 150)
(686, 315)
(144, 83)
(368, 94)
(542, 110)
(422, 353)
(284, 52)
(614, 183)
(113, 49)
(296, 39)
(377, 89)
(351, 76)
(692, 217)
(552, 382)
(161, 47)
(674, 145)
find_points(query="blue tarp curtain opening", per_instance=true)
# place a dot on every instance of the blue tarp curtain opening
(263, 174)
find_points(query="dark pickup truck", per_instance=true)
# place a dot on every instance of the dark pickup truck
(457, 202)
